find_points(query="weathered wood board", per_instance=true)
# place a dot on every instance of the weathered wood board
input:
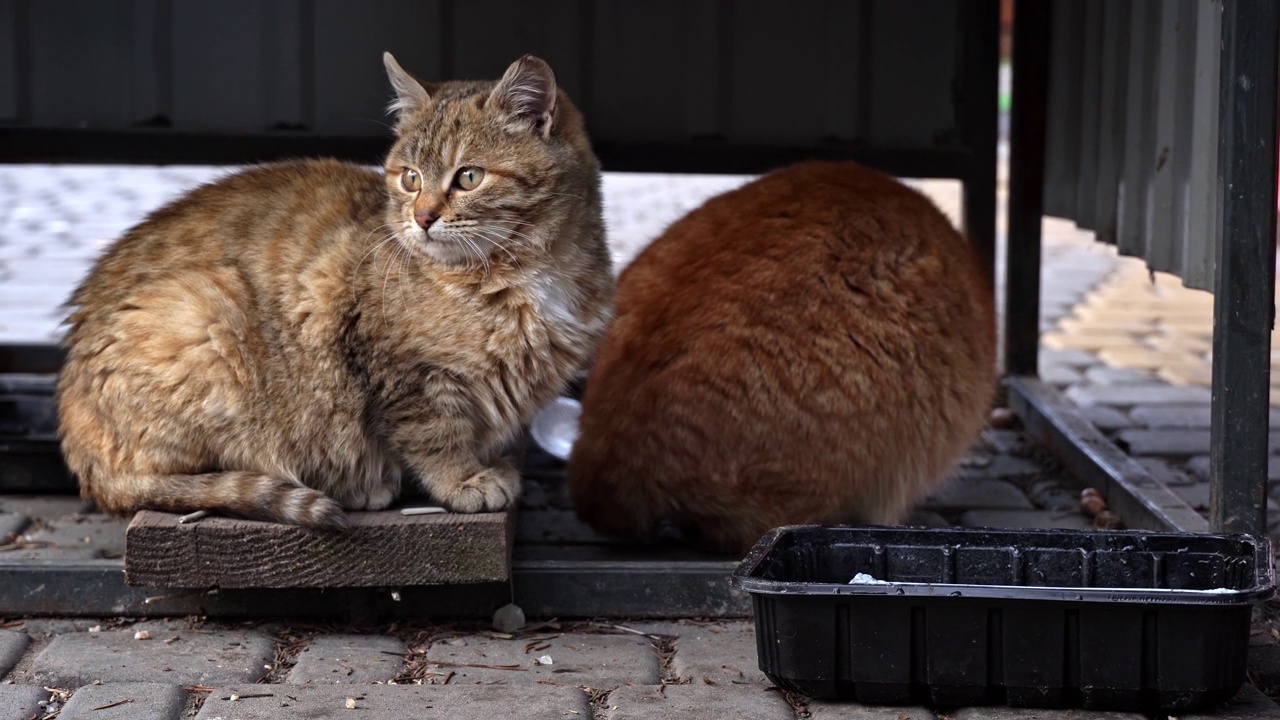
(379, 549)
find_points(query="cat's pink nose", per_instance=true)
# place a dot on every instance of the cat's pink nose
(425, 217)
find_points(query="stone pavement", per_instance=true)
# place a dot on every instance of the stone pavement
(170, 669)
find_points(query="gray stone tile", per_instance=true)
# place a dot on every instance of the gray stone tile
(1166, 473)
(152, 701)
(1248, 704)
(819, 710)
(1197, 496)
(1159, 417)
(717, 653)
(589, 660)
(1106, 419)
(43, 505)
(1108, 375)
(969, 493)
(425, 702)
(1060, 375)
(11, 524)
(1008, 713)
(1039, 519)
(1169, 443)
(1008, 467)
(21, 702)
(1131, 395)
(1199, 467)
(12, 645)
(74, 537)
(696, 701)
(211, 658)
(333, 659)
(1069, 357)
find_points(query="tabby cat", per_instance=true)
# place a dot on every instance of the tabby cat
(289, 341)
(816, 346)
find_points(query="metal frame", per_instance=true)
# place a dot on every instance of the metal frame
(1245, 288)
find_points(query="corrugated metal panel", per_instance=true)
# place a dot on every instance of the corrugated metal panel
(1132, 131)
(884, 73)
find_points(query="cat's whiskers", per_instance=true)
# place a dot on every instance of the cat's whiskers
(482, 232)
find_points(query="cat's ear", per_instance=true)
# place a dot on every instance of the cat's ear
(527, 95)
(411, 95)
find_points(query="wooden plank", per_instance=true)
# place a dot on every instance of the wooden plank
(380, 549)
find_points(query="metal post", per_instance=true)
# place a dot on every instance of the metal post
(1026, 185)
(981, 39)
(1244, 296)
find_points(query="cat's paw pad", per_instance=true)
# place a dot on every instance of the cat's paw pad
(489, 490)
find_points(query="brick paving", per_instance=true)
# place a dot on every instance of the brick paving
(1131, 351)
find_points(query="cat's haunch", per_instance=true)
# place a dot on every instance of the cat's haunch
(815, 347)
(290, 340)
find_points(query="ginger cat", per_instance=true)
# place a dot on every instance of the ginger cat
(289, 341)
(815, 347)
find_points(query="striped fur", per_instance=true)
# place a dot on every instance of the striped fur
(288, 341)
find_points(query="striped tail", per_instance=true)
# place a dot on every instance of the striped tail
(250, 495)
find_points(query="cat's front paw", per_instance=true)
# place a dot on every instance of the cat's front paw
(490, 490)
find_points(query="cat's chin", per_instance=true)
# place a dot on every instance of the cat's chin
(446, 253)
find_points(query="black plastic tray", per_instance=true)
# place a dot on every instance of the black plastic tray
(1115, 620)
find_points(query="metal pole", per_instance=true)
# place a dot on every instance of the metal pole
(1244, 296)
(1026, 184)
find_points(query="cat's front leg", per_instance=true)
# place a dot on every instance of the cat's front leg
(452, 473)
(462, 484)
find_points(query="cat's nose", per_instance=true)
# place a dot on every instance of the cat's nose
(424, 217)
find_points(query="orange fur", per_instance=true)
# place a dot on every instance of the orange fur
(289, 341)
(814, 347)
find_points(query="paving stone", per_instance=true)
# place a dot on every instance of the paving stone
(1171, 416)
(696, 702)
(1174, 443)
(1066, 356)
(212, 658)
(21, 702)
(718, 653)
(1109, 375)
(1053, 494)
(1005, 441)
(1199, 373)
(590, 660)
(11, 524)
(348, 659)
(1106, 419)
(1129, 395)
(967, 493)
(1093, 342)
(819, 710)
(1059, 374)
(1037, 519)
(1009, 467)
(43, 505)
(12, 645)
(427, 702)
(152, 701)
(1167, 474)
(1008, 713)
(74, 537)
(1248, 704)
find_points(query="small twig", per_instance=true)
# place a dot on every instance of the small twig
(117, 703)
(246, 697)
(446, 663)
(192, 517)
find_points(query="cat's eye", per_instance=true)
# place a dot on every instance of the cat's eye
(410, 180)
(468, 178)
